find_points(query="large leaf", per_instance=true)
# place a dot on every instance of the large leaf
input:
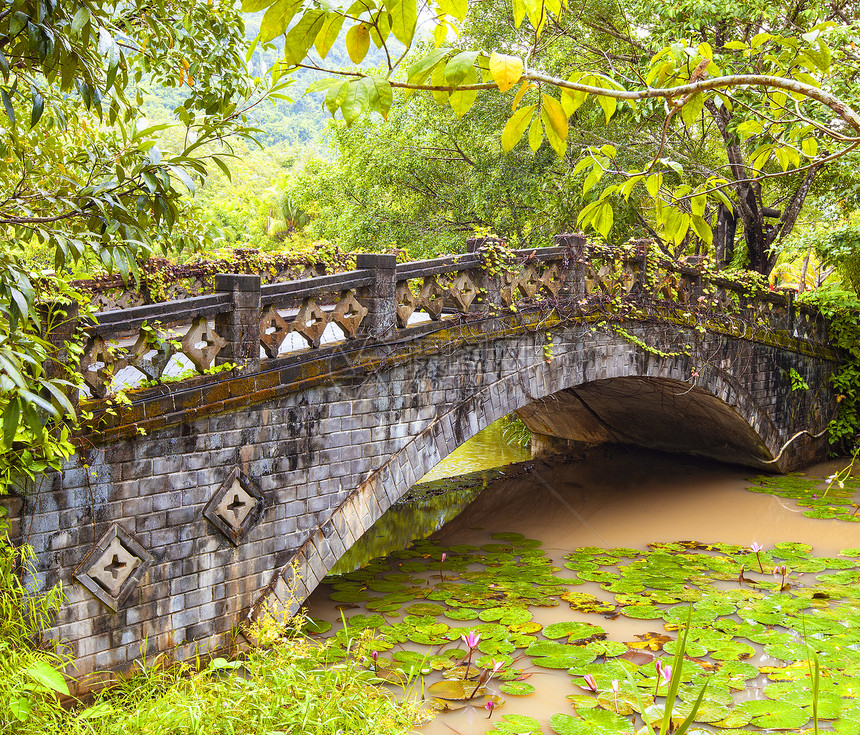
(46, 675)
(506, 70)
(516, 126)
(357, 42)
(404, 18)
(302, 35)
(277, 18)
(461, 69)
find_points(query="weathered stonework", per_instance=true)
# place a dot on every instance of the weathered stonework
(334, 439)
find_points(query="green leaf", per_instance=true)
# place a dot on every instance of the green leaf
(301, 36)
(461, 68)
(277, 18)
(516, 126)
(420, 70)
(46, 675)
(38, 108)
(608, 105)
(254, 6)
(355, 101)
(589, 722)
(7, 104)
(328, 34)
(404, 18)
(11, 419)
(380, 95)
(80, 20)
(692, 110)
(455, 8)
(461, 101)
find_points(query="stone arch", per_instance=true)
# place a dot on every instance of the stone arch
(515, 387)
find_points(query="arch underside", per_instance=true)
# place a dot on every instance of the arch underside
(656, 413)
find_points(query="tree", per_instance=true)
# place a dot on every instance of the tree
(83, 174)
(747, 90)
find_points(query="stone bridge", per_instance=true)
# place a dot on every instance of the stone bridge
(311, 406)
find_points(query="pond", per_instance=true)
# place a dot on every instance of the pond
(577, 573)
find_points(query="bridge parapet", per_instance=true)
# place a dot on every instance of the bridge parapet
(243, 322)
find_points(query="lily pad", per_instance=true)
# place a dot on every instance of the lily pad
(767, 713)
(516, 688)
(515, 725)
(590, 722)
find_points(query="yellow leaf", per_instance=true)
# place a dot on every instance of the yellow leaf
(516, 126)
(357, 42)
(535, 134)
(506, 70)
(556, 115)
(526, 86)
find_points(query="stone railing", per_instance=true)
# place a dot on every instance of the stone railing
(244, 322)
(159, 280)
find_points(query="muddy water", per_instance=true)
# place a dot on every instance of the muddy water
(612, 498)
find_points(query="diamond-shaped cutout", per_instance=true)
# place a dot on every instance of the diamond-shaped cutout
(406, 303)
(273, 331)
(552, 279)
(235, 507)
(311, 322)
(348, 313)
(100, 363)
(201, 344)
(463, 291)
(432, 297)
(142, 357)
(114, 566)
(529, 282)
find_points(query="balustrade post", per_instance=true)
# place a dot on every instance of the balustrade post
(59, 324)
(577, 262)
(240, 326)
(380, 297)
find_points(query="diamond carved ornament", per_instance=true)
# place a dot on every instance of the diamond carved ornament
(99, 378)
(235, 507)
(201, 344)
(406, 303)
(273, 330)
(151, 341)
(432, 297)
(114, 567)
(463, 291)
(311, 322)
(348, 313)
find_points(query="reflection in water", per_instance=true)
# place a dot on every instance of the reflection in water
(441, 494)
(497, 445)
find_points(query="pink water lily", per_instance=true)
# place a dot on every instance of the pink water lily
(757, 548)
(590, 683)
(472, 639)
(490, 706)
(664, 673)
(441, 576)
(615, 693)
